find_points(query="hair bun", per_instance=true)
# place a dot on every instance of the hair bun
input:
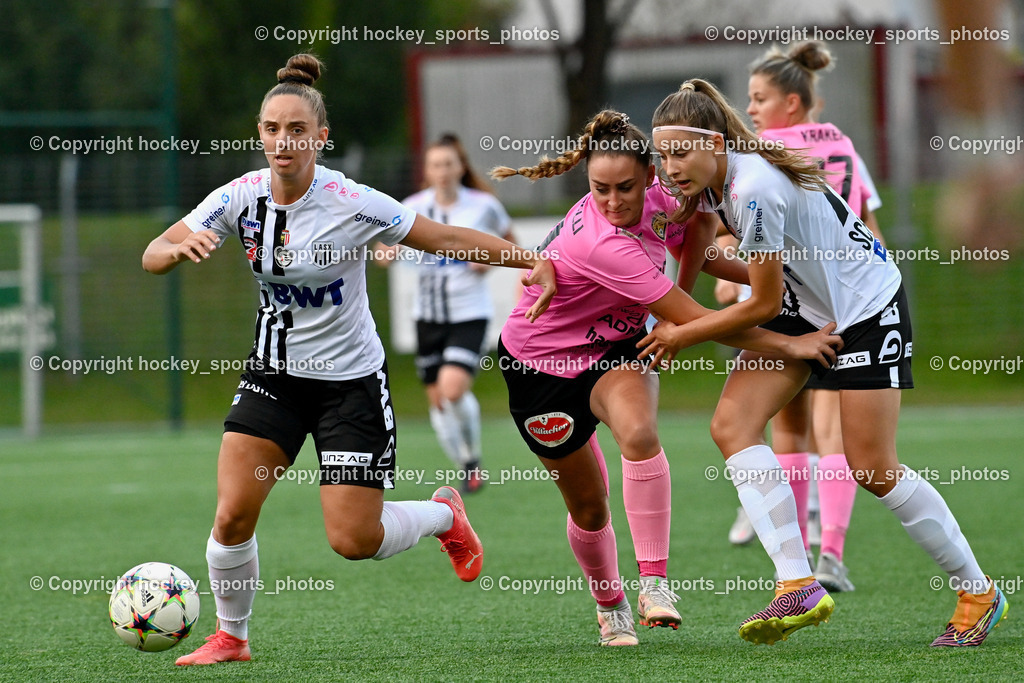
(811, 55)
(301, 68)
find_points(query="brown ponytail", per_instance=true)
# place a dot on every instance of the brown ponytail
(297, 78)
(699, 104)
(610, 132)
(794, 72)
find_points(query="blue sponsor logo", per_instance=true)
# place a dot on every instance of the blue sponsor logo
(373, 220)
(306, 297)
(213, 217)
(247, 224)
(396, 220)
(310, 190)
(752, 205)
(225, 198)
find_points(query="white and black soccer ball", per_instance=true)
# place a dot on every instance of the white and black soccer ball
(154, 606)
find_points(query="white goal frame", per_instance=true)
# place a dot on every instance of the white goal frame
(28, 279)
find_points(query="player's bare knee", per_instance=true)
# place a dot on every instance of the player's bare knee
(352, 548)
(233, 525)
(638, 441)
(723, 431)
(453, 394)
(590, 516)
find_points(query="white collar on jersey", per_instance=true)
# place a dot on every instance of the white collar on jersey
(317, 180)
(731, 158)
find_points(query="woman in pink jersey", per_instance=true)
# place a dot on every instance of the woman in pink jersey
(576, 366)
(782, 99)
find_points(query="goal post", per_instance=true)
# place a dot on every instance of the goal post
(24, 327)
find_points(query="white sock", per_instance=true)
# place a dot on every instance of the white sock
(927, 519)
(467, 412)
(813, 503)
(449, 435)
(406, 522)
(234, 576)
(768, 500)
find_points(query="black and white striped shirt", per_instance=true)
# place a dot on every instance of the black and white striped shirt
(449, 291)
(309, 258)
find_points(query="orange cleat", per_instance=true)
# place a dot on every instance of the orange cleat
(219, 647)
(460, 542)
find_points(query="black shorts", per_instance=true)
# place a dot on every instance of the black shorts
(352, 422)
(553, 413)
(440, 344)
(876, 352)
(827, 382)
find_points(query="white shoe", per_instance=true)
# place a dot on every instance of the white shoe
(742, 531)
(656, 606)
(833, 574)
(617, 626)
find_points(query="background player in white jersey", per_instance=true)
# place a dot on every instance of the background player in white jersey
(576, 367)
(317, 365)
(782, 102)
(779, 207)
(453, 306)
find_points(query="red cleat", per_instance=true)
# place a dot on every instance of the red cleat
(460, 542)
(474, 480)
(219, 647)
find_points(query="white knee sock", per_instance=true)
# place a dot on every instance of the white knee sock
(234, 576)
(449, 434)
(406, 522)
(768, 500)
(927, 519)
(467, 411)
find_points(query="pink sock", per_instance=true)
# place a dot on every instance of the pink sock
(647, 496)
(597, 556)
(599, 455)
(836, 490)
(798, 471)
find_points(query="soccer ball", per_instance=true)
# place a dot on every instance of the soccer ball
(154, 606)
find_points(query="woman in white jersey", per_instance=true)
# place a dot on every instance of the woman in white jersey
(317, 365)
(576, 367)
(781, 94)
(453, 306)
(782, 100)
(811, 261)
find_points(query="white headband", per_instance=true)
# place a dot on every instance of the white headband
(689, 129)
